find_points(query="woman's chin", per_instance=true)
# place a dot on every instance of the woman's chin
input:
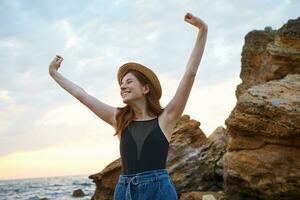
(125, 100)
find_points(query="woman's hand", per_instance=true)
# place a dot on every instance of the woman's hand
(195, 21)
(55, 64)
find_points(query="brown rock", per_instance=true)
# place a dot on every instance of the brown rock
(270, 55)
(195, 162)
(270, 172)
(266, 113)
(201, 195)
(106, 181)
(78, 193)
(262, 159)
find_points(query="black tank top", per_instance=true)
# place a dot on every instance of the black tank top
(143, 146)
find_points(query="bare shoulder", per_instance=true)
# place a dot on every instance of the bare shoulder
(166, 124)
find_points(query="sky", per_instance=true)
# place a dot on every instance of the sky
(44, 131)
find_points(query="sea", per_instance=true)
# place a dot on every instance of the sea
(60, 188)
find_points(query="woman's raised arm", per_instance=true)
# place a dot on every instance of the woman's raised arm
(176, 106)
(102, 110)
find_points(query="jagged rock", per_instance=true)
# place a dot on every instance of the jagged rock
(194, 161)
(193, 158)
(208, 197)
(267, 113)
(202, 195)
(262, 159)
(78, 193)
(106, 180)
(270, 55)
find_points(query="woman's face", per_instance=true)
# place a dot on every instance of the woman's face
(131, 89)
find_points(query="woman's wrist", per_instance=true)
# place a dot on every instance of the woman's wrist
(203, 27)
(52, 71)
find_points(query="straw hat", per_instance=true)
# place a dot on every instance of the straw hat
(144, 70)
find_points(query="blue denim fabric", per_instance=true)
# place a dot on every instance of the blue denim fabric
(147, 185)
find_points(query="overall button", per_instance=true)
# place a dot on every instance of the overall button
(134, 181)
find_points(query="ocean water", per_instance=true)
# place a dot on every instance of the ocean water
(60, 188)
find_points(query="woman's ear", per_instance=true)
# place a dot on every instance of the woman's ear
(146, 89)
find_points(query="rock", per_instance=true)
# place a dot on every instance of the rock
(193, 158)
(262, 159)
(268, 28)
(270, 55)
(208, 197)
(44, 198)
(202, 195)
(106, 180)
(78, 193)
(267, 113)
(194, 161)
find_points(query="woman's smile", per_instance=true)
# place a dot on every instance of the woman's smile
(124, 93)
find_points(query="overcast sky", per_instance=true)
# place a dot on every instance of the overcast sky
(43, 127)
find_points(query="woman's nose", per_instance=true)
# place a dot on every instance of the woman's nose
(122, 86)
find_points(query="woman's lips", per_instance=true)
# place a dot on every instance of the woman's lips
(125, 93)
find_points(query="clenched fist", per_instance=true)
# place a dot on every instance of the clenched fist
(195, 21)
(55, 64)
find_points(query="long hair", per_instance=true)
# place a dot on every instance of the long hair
(125, 114)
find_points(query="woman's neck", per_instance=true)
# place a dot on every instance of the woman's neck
(140, 111)
(143, 116)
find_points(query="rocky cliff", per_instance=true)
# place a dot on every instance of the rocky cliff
(270, 55)
(262, 159)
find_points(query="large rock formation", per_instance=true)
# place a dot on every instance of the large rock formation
(263, 159)
(194, 161)
(270, 55)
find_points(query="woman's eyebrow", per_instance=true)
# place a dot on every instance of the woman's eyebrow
(128, 79)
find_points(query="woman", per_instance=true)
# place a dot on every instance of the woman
(142, 126)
